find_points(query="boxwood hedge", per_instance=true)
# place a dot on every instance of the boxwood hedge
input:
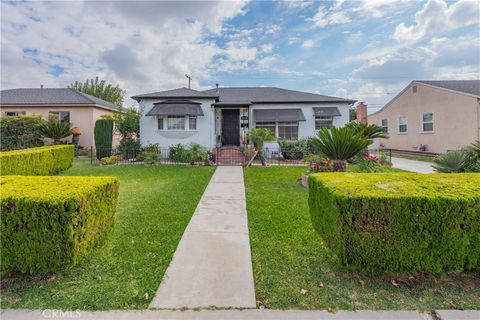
(399, 221)
(36, 161)
(51, 222)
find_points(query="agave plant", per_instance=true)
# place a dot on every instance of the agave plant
(340, 145)
(258, 136)
(451, 162)
(56, 130)
(368, 131)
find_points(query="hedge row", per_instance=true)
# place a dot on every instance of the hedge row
(37, 161)
(399, 221)
(51, 222)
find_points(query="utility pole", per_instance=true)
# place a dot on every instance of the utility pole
(189, 80)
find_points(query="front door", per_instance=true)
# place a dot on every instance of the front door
(230, 127)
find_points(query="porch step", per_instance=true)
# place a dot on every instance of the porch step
(231, 156)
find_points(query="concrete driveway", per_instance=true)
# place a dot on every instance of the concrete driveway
(412, 165)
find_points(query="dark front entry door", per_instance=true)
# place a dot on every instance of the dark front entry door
(230, 127)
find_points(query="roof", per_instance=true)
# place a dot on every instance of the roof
(176, 93)
(464, 86)
(271, 95)
(51, 96)
(176, 108)
(467, 87)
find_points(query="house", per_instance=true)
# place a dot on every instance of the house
(432, 116)
(69, 105)
(222, 116)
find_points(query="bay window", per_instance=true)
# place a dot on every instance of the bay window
(177, 123)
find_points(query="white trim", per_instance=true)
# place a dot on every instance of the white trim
(398, 125)
(422, 122)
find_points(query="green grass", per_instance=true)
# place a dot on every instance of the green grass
(289, 256)
(155, 206)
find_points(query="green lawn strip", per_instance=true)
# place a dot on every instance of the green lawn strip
(288, 256)
(413, 157)
(155, 206)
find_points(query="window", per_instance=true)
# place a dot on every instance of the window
(384, 125)
(176, 123)
(60, 116)
(402, 124)
(288, 130)
(160, 123)
(427, 122)
(192, 123)
(15, 113)
(267, 125)
(323, 122)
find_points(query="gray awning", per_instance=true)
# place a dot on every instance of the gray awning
(326, 111)
(176, 108)
(278, 115)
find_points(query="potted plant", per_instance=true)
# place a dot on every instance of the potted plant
(76, 132)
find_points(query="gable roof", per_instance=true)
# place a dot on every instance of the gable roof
(176, 93)
(51, 96)
(463, 86)
(271, 95)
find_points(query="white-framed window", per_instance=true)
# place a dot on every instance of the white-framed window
(15, 113)
(402, 125)
(160, 123)
(427, 122)
(384, 125)
(176, 123)
(323, 122)
(192, 123)
(60, 116)
(281, 130)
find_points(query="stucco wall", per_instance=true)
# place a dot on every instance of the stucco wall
(82, 117)
(456, 120)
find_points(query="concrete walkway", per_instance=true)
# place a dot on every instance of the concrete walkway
(248, 314)
(412, 165)
(212, 265)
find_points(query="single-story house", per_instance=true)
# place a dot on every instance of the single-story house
(222, 116)
(69, 105)
(431, 116)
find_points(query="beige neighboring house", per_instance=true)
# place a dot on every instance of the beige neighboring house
(431, 116)
(70, 105)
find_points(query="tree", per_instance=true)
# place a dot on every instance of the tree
(258, 136)
(20, 132)
(340, 145)
(368, 131)
(56, 130)
(100, 89)
(127, 123)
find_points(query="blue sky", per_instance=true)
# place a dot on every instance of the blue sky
(365, 50)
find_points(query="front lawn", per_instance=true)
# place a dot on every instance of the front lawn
(294, 270)
(155, 206)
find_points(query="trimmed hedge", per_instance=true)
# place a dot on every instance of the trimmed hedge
(52, 222)
(20, 132)
(399, 221)
(37, 161)
(103, 135)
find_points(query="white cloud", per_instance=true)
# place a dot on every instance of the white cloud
(266, 48)
(377, 7)
(297, 4)
(323, 17)
(307, 44)
(436, 17)
(271, 29)
(293, 40)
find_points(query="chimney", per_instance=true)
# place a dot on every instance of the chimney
(216, 86)
(362, 112)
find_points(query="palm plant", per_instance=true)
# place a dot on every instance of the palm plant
(368, 131)
(340, 145)
(258, 136)
(451, 162)
(55, 130)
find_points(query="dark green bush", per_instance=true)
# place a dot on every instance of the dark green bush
(295, 150)
(39, 161)
(20, 132)
(399, 221)
(103, 135)
(179, 152)
(52, 222)
(129, 148)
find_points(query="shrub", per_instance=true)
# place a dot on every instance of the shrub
(179, 152)
(103, 134)
(188, 153)
(295, 150)
(129, 148)
(197, 153)
(20, 132)
(399, 221)
(55, 130)
(451, 162)
(109, 160)
(52, 222)
(39, 161)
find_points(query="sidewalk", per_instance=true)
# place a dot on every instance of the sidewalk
(412, 165)
(212, 265)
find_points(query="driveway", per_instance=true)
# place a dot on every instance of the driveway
(412, 165)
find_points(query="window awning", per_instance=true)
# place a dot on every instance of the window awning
(278, 115)
(326, 111)
(176, 108)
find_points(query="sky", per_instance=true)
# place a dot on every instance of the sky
(363, 50)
